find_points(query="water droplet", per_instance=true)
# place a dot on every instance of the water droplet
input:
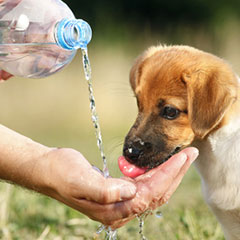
(158, 214)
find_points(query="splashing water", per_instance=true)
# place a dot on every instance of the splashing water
(109, 233)
(141, 219)
(141, 224)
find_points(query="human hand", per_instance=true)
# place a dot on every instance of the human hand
(4, 75)
(63, 174)
(155, 187)
(69, 178)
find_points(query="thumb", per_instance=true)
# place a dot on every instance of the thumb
(110, 190)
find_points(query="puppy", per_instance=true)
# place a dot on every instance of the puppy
(188, 97)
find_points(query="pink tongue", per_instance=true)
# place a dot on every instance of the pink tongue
(129, 169)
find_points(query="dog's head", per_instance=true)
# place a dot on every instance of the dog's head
(182, 94)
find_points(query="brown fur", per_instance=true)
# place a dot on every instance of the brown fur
(201, 86)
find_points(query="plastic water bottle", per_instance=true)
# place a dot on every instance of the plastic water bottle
(39, 37)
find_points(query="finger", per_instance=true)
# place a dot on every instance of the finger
(152, 186)
(95, 187)
(106, 214)
(114, 214)
(162, 176)
(119, 223)
(192, 154)
(92, 185)
(172, 166)
(112, 190)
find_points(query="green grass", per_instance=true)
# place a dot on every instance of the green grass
(55, 112)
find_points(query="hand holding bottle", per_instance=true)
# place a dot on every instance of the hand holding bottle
(38, 38)
(4, 75)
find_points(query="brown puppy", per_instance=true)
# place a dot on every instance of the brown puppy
(186, 96)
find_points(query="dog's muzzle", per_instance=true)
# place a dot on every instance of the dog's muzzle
(142, 154)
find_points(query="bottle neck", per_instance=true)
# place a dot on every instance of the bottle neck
(72, 34)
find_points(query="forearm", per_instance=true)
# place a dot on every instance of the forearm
(21, 160)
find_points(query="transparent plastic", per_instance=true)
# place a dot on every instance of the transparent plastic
(38, 38)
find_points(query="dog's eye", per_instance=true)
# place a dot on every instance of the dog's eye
(169, 113)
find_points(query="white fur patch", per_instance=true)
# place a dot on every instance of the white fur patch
(219, 166)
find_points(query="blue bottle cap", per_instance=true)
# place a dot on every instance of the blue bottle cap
(72, 34)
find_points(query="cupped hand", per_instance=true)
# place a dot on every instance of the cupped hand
(71, 179)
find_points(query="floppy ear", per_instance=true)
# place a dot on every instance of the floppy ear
(136, 72)
(210, 94)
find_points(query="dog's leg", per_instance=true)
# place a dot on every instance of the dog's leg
(229, 221)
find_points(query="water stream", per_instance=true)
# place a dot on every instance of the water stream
(110, 234)
(88, 76)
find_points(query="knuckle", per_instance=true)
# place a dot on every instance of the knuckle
(155, 200)
(140, 208)
(103, 192)
(104, 197)
(164, 199)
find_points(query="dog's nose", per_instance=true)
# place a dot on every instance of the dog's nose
(135, 149)
(132, 152)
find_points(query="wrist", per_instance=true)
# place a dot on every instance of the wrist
(59, 169)
(31, 171)
(39, 173)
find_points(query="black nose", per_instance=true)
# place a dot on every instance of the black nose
(134, 150)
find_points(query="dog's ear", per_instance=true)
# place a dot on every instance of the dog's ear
(136, 72)
(210, 94)
(137, 68)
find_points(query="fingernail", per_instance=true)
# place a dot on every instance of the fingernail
(127, 191)
(182, 158)
(194, 154)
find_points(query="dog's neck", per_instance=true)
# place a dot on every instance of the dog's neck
(219, 159)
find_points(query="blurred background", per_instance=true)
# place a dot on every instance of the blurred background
(55, 111)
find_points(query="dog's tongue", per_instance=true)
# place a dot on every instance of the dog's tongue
(129, 169)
